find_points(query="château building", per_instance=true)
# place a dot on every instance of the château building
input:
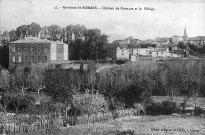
(36, 50)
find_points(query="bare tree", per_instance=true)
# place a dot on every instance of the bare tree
(21, 79)
(37, 79)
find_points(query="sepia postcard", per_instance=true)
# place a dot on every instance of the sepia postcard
(102, 67)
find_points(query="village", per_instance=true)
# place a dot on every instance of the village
(122, 68)
(165, 47)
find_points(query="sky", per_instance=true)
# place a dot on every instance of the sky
(168, 18)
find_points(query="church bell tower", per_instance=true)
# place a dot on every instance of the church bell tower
(185, 37)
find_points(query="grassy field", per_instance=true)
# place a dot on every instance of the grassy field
(139, 125)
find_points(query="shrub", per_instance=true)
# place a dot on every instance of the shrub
(45, 108)
(22, 104)
(177, 110)
(73, 111)
(90, 103)
(198, 111)
(71, 121)
(123, 61)
(115, 115)
(168, 107)
(163, 108)
(155, 109)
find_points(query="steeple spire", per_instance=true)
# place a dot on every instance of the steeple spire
(185, 37)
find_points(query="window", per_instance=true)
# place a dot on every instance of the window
(20, 49)
(26, 58)
(25, 49)
(39, 58)
(122, 53)
(32, 58)
(10, 48)
(122, 50)
(157, 53)
(162, 52)
(39, 48)
(32, 49)
(45, 49)
(45, 59)
(19, 58)
(60, 50)
(14, 49)
(13, 59)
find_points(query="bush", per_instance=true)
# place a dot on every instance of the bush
(90, 103)
(71, 121)
(198, 111)
(115, 115)
(177, 110)
(123, 61)
(155, 109)
(45, 108)
(21, 104)
(73, 111)
(164, 108)
(169, 107)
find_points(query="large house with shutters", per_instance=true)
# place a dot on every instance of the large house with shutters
(36, 50)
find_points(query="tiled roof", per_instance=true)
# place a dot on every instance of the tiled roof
(176, 36)
(36, 40)
(32, 40)
(194, 39)
(179, 51)
(201, 37)
(171, 45)
(162, 39)
(159, 50)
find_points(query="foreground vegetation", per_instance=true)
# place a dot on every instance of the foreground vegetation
(154, 125)
(80, 96)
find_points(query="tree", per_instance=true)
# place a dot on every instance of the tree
(4, 54)
(182, 45)
(12, 35)
(90, 103)
(22, 31)
(5, 35)
(171, 80)
(60, 84)
(21, 79)
(37, 79)
(54, 31)
(69, 30)
(194, 75)
(5, 80)
(35, 29)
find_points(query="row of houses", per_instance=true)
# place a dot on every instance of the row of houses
(165, 47)
(171, 51)
(199, 40)
(161, 41)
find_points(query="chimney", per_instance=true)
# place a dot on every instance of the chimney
(65, 36)
(21, 37)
